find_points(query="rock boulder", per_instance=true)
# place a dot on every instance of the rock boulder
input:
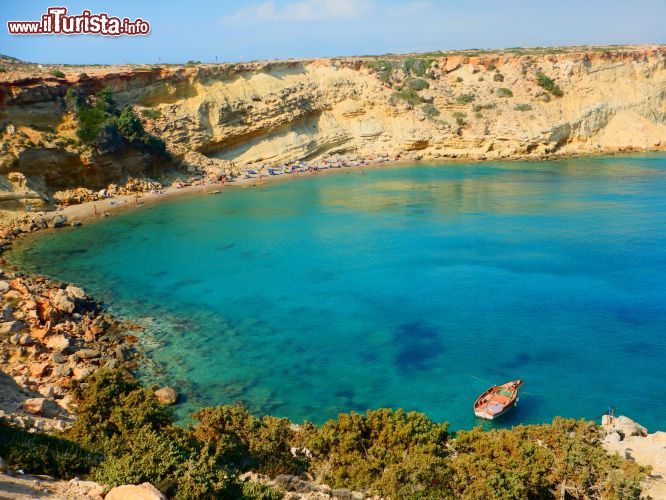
(166, 395)
(145, 491)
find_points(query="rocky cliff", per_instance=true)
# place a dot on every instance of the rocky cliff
(488, 105)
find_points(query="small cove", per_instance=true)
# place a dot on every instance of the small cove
(410, 286)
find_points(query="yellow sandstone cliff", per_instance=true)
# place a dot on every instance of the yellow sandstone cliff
(233, 116)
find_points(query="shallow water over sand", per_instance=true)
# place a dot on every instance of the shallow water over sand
(403, 287)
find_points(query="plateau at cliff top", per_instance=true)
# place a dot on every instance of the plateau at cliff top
(538, 103)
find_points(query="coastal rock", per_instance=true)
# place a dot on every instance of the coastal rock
(631, 440)
(48, 391)
(7, 313)
(8, 327)
(624, 426)
(75, 292)
(62, 371)
(34, 405)
(81, 372)
(166, 395)
(38, 369)
(58, 343)
(123, 353)
(63, 302)
(145, 491)
(88, 353)
(4, 286)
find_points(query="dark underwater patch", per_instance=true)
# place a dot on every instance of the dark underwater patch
(418, 347)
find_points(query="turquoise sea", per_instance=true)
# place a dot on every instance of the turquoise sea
(409, 286)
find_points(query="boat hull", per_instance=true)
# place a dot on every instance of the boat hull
(497, 400)
(488, 416)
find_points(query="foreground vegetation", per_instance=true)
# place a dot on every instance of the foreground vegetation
(123, 435)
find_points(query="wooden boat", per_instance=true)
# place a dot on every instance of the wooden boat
(497, 400)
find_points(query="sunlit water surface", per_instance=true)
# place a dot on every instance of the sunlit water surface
(404, 287)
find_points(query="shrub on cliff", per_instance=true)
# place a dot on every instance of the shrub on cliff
(129, 125)
(111, 406)
(504, 92)
(73, 100)
(410, 96)
(417, 84)
(104, 127)
(430, 110)
(384, 68)
(522, 107)
(105, 103)
(498, 77)
(540, 461)
(240, 441)
(57, 73)
(90, 121)
(43, 454)
(153, 114)
(123, 435)
(460, 118)
(416, 66)
(548, 84)
(388, 452)
(465, 98)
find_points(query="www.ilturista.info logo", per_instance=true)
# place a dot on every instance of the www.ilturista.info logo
(57, 22)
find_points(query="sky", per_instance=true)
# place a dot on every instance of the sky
(229, 30)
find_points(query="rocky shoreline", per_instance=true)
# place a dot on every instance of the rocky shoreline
(52, 336)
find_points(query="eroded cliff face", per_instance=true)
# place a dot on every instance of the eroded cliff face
(234, 116)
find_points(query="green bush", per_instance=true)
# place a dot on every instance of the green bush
(498, 77)
(459, 79)
(73, 100)
(491, 67)
(122, 435)
(104, 102)
(465, 98)
(417, 84)
(430, 110)
(548, 84)
(480, 107)
(504, 92)
(153, 114)
(243, 442)
(3, 70)
(43, 454)
(522, 107)
(129, 125)
(83, 76)
(193, 62)
(460, 118)
(534, 461)
(387, 452)
(90, 121)
(57, 73)
(260, 492)
(408, 95)
(416, 66)
(385, 69)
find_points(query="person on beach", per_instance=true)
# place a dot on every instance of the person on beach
(94, 212)
(136, 200)
(27, 207)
